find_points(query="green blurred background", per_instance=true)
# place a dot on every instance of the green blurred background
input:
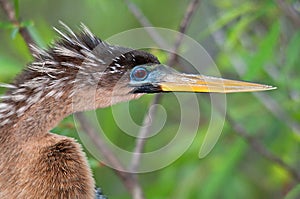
(253, 40)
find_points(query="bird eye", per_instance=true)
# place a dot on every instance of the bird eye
(139, 74)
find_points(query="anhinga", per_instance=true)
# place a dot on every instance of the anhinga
(35, 163)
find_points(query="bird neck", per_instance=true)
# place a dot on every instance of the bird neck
(23, 121)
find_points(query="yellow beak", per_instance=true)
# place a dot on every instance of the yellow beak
(181, 82)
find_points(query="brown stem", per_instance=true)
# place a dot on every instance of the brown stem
(261, 149)
(142, 136)
(143, 20)
(10, 13)
(192, 7)
(129, 180)
(141, 140)
(289, 12)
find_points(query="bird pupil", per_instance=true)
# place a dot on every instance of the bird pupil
(140, 73)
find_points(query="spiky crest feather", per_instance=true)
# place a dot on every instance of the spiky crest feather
(75, 58)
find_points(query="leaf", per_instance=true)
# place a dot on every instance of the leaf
(93, 163)
(6, 25)
(237, 31)
(265, 52)
(228, 17)
(221, 175)
(294, 193)
(27, 23)
(14, 32)
(292, 55)
(17, 10)
(241, 27)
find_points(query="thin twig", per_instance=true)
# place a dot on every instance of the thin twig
(145, 130)
(182, 29)
(289, 12)
(138, 14)
(260, 148)
(143, 20)
(142, 136)
(10, 13)
(129, 181)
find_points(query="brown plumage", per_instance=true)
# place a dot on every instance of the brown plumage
(35, 163)
(78, 72)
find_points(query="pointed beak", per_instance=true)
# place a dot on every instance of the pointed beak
(162, 78)
(206, 84)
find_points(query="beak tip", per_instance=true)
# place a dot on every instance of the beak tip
(270, 87)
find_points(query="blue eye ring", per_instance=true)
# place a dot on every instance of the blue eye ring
(139, 74)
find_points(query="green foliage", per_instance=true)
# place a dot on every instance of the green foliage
(292, 60)
(17, 9)
(229, 16)
(265, 52)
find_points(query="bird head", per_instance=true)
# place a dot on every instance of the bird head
(162, 78)
(114, 74)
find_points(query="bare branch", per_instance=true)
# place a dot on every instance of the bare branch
(145, 130)
(142, 137)
(129, 180)
(192, 7)
(261, 149)
(143, 20)
(274, 107)
(10, 13)
(289, 12)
